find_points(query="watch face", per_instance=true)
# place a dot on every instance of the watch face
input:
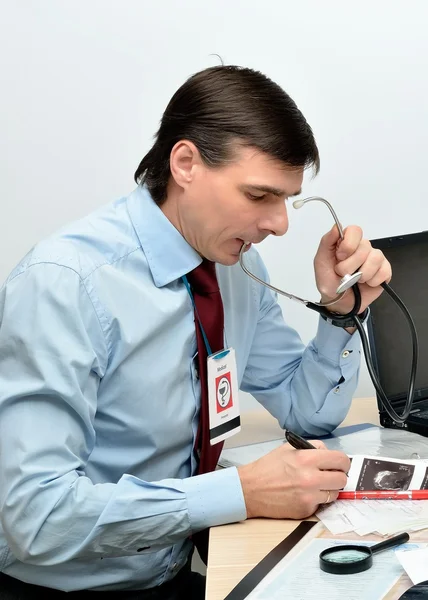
(417, 592)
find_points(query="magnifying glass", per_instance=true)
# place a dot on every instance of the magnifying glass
(353, 558)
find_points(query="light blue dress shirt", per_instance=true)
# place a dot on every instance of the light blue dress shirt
(99, 399)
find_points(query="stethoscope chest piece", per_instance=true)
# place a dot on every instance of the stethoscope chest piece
(348, 281)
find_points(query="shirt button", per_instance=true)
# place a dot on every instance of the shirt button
(345, 354)
(337, 390)
(174, 566)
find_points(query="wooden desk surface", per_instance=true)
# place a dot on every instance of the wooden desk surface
(235, 549)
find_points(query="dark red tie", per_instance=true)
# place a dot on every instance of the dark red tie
(209, 310)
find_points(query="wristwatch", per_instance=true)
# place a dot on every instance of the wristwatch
(344, 323)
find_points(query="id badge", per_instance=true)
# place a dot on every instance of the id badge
(223, 396)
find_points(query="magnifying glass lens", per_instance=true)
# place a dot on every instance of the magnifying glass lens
(346, 559)
(344, 556)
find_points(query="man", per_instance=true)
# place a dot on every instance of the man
(100, 380)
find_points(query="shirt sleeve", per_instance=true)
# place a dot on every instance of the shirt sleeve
(307, 388)
(53, 355)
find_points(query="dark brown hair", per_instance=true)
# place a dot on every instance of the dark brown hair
(222, 106)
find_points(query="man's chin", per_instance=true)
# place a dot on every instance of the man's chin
(227, 260)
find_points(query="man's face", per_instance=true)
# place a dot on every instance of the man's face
(243, 201)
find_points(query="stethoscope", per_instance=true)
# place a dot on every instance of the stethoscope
(347, 282)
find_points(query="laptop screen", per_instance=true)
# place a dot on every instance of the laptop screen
(390, 335)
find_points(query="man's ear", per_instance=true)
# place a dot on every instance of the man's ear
(183, 160)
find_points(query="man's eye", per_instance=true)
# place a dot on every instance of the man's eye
(254, 197)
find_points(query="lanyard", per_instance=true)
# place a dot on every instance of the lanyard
(206, 342)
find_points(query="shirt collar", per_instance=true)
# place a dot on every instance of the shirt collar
(168, 254)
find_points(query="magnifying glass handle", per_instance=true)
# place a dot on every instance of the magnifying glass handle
(402, 538)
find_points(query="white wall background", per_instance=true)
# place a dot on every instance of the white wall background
(84, 84)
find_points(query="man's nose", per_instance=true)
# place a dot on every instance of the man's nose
(276, 220)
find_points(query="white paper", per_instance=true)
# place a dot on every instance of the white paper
(302, 579)
(415, 563)
(384, 517)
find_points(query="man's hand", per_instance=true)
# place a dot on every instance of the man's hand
(336, 257)
(291, 484)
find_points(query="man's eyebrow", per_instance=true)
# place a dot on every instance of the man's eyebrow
(272, 190)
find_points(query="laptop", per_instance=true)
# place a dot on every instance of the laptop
(389, 333)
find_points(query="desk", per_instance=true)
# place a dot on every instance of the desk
(235, 549)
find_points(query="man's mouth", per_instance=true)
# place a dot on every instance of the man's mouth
(247, 244)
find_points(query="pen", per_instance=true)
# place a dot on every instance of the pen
(297, 441)
(384, 495)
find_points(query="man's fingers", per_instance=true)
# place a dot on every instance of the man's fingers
(384, 273)
(329, 460)
(326, 496)
(328, 245)
(352, 239)
(324, 459)
(357, 260)
(332, 480)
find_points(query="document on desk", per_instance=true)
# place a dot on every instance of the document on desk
(384, 517)
(300, 577)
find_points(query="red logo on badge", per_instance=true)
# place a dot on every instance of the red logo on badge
(223, 389)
